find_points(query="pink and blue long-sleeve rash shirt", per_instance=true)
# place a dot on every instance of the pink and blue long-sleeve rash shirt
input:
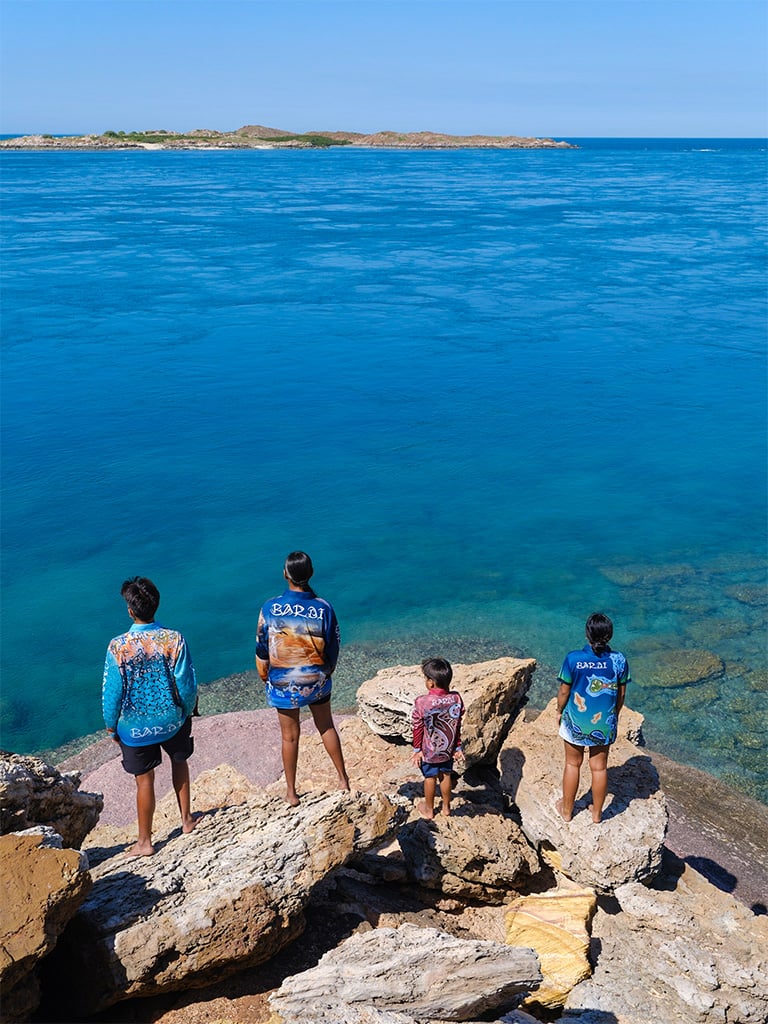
(437, 724)
(149, 688)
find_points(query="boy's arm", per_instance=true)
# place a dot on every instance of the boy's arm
(262, 648)
(111, 692)
(457, 748)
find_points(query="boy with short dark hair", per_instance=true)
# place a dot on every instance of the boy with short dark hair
(437, 734)
(148, 696)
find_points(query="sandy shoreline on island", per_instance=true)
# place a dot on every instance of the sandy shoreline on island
(723, 834)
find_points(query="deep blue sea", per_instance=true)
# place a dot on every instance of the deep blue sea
(490, 392)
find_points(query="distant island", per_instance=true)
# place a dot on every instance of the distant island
(256, 136)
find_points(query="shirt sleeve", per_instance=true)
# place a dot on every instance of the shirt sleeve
(418, 726)
(332, 643)
(262, 638)
(186, 681)
(565, 673)
(111, 691)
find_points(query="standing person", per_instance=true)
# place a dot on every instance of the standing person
(593, 683)
(297, 647)
(437, 733)
(148, 696)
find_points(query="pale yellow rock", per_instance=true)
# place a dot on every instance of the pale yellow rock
(556, 925)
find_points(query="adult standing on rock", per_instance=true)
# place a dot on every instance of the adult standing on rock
(297, 647)
(148, 696)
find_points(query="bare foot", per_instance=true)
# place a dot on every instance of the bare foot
(424, 811)
(140, 849)
(188, 825)
(596, 817)
(559, 809)
(344, 783)
(292, 799)
(446, 811)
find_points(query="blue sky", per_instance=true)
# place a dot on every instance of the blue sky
(562, 68)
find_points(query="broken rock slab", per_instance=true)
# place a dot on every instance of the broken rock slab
(680, 950)
(492, 692)
(228, 895)
(626, 846)
(42, 885)
(421, 972)
(33, 792)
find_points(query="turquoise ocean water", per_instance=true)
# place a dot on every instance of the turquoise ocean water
(490, 392)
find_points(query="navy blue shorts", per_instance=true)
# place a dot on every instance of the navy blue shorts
(431, 771)
(140, 760)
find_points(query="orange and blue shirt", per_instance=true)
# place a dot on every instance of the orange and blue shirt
(298, 636)
(589, 718)
(149, 688)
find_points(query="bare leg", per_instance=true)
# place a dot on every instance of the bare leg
(321, 713)
(445, 791)
(290, 730)
(180, 777)
(427, 807)
(598, 766)
(571, 772)
(145, 811)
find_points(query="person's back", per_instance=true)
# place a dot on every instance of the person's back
(140, 678)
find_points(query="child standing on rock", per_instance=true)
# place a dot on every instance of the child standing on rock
(593, 683)
(437, 734)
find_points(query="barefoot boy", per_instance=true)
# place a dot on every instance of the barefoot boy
(148, 695)
(437, 734)
(593, 682)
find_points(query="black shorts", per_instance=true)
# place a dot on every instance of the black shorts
(140, 760)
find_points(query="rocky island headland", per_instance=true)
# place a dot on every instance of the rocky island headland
(352, 909)
(257, 136)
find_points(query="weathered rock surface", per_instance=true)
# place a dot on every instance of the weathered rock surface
(556, 925)
(476, 853)
(421, 972)
(227, 895)
(34, 793)
(43, 885)
(679, 951)
(491, 690)
(626, 846)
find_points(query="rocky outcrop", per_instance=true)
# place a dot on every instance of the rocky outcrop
(680, 951)
(34, 793)
(43, 885)
(475, 854)
(492, 692)
(678, 668)
(556, 925)
(626, 846)
(228, 895)
(421, 972)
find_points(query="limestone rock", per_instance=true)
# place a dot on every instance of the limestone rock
(42, 889)
(556, 925)
(476, 853)
(228, 895)
(697, 956)
(491, 690)
(626, 846)
(34, 793)
(418, 971)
